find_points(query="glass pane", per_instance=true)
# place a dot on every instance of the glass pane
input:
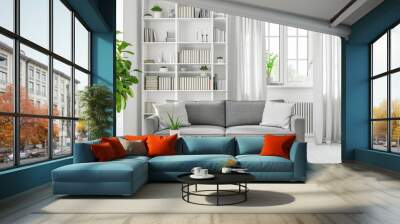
(62, 89)
(292, 31)
(35, 21)
(303, 48)
(62, 138)
(274, 48)
(274, 29)
(395, 136)
(62, 29)
(395, 95)
(292, 70)
(266, 29)
(302, 32)
(81, 131)
(292, 48)
(275, 72)
(379, 98)
(379, 55)
(267, 43)
(395, 47)
(6, 142)
(81, 45)
(379, 135)
(33, 139)
(81, 81)
(7, 14)
(302, 69)
(6, 74)
(34, 72)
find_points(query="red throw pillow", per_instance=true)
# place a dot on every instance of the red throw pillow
(161, 145)
(277, 145)
(103, 152)
(116, 145)
(136, 137)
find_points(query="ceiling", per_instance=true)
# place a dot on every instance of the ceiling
(318, 9)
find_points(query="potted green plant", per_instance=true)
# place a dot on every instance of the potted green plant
(157, 11)
(203, 70)
(96, 102)
(124, 79)
(174, 124)
(270, 64)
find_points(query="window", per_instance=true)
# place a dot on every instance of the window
(290, 47)
(46, 72)
(385, 94)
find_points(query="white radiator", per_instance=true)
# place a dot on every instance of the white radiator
(305, 110)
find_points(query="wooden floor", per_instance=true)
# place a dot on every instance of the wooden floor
(379, 189)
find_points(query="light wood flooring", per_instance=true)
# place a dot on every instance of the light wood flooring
(379, 189)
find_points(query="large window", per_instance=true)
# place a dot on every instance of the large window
(44, 64)
(289, 46)
(385, 91)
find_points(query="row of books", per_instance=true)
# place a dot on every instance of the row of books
(149, 35)
(154, 82)
(195, 56)
(219, 84)
(195, 83)
(192, 12)
(219, 35)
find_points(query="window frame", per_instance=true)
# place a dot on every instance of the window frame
(283, 59)
(16, 115)
(388, 74)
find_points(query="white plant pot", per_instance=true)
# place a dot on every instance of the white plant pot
(157, 14)
(220, 61)
(174, 132)
(163, 69)
(203, 74)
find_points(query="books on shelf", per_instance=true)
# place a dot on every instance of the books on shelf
(170, 37)
(195, 83)
(219, 85)
(154, 82)
(219, 35)
(198, 56)
(149, 35)
(151, 82)
(192, 12)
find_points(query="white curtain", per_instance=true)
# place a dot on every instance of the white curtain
(327, 88)
(247, 61)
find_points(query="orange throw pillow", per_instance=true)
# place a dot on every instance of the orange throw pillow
(103, 152)
(116, 145)
(136, 137)
(277, 145)
(161, 145)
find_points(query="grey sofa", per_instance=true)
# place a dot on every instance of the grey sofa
(227, 118)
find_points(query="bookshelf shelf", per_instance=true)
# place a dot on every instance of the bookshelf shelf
(185, 49)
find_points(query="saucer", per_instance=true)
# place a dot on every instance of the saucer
(208, 176)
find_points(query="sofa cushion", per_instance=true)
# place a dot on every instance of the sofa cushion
(257, 163)
(185, 163)
(112, 171)
(255, 130)
(197, 130)
(244, 112)
(249, 145)
(207, 145)
(206, 112)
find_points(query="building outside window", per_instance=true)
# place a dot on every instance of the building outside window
(57, 128)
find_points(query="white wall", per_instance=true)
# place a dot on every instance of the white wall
(128, 121)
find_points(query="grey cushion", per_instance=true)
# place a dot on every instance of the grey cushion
(201, 130)
(255, 130)
(206, 112)
(244, 112)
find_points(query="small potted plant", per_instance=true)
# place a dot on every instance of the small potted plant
(174, 124)
(220, 60)
(269, 65)
(157, 11)
(203, 70)
(163, 69)
(148, 15)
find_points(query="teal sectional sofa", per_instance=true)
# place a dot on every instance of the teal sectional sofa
(125, 176)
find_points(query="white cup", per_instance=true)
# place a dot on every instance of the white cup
(203, 172)
(196, 171)
(226, 170)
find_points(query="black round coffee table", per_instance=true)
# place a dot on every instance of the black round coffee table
(238, 179)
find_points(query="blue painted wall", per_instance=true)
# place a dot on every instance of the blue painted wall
(356, 83)
(99, 16)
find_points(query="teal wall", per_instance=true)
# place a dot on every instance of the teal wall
(356, 84)
(99, 16)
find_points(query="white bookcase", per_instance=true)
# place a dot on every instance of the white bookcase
(193, 36)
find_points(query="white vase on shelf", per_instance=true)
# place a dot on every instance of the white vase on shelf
(174, 132)
(157, 14)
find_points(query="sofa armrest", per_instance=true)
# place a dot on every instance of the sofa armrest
(298, 155)
(83, 152)
(151, 125)
(298, 125)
